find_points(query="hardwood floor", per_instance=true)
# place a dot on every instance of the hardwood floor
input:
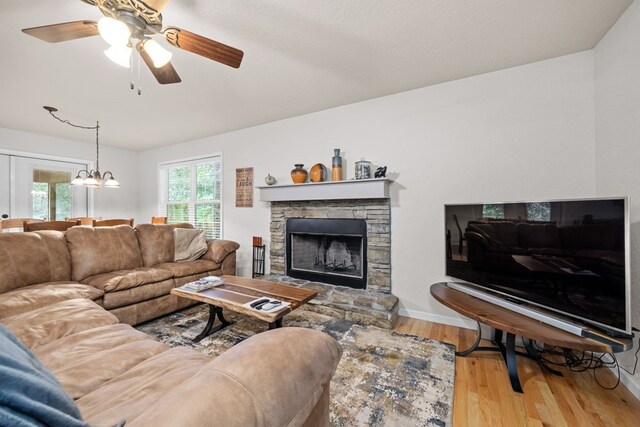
(483, 395)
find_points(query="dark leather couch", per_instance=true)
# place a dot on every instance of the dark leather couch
(492, 244)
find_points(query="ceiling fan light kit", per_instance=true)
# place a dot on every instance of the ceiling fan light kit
(121, 55)
(159, 55)
(114, 32)
(125, 20)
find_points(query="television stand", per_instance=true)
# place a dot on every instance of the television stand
(504, 321)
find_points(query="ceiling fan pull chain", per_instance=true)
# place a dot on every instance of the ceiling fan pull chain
(139, 83)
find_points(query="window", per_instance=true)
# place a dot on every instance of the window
(493, 211)
(539, 211)
(190, 191)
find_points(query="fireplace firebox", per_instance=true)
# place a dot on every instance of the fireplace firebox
(327, 250)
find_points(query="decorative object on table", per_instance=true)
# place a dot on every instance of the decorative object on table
(336, 165)
(427, 365)
(244, 187)
(299, 174)
(270, 180)
(381, 172)
(92, 178)
(363, 169)
(318, 173)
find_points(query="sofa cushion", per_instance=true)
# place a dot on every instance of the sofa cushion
(189, 244)
(129, 394)
(32, 258)
(84, 361)
(188, 268)
(126, 279)
(538, 236)
(32, 297)
(138, 294)
(30, 395)
(219, 249)
(156, 243)
(44, 325)
(505, 232)
(101, 250)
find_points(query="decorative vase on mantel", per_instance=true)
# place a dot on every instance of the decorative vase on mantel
(299, 174)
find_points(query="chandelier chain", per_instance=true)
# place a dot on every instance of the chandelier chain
(72, 124)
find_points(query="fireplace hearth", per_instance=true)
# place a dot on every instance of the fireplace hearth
(327, 250)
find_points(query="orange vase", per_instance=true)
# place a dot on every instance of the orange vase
(299, 174)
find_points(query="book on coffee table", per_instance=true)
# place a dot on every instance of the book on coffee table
(203, 284)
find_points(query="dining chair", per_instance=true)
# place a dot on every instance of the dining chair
(112, 222)
(158, 220)
(84, 220)
(17, 223)
(50, 225)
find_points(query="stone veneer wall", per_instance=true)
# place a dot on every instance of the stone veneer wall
(376, 212)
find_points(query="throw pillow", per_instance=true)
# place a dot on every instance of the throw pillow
(190, 244)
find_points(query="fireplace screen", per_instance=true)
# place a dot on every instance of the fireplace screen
(327, 250)
(338, 255)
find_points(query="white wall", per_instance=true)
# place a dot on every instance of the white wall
(108, 203)
(521, 133)
(617, 85)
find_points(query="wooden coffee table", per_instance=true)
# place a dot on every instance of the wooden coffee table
(237, 291)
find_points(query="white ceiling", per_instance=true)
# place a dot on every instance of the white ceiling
(300, 56)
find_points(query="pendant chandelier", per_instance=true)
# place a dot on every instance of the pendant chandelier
(89, 178)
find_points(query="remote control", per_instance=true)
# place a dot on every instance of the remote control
(259, 302)
(271, 305)
(259, 306)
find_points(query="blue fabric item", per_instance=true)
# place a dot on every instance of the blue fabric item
(29, 394)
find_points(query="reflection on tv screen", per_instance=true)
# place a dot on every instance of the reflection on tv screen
(568, 256)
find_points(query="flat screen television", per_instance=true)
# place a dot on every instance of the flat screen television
(567, 256)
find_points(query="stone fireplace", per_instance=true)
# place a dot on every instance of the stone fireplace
(342, 250)
(376, 215)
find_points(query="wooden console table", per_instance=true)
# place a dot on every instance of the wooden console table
(503, 320)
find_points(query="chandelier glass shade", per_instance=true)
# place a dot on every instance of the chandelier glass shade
(90, 178)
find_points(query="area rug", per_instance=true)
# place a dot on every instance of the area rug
(383, 379)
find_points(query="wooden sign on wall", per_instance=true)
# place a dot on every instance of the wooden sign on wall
(244, 187)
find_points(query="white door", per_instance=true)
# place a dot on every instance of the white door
(5, 186)
(41, 189)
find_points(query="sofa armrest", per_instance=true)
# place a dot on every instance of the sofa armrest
(477, 237)
(276, 379)
(217, 250)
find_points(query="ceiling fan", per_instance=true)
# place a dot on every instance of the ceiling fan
(125, 20)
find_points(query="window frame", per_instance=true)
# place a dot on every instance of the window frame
(163, 188)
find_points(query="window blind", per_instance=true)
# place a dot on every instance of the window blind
(191, 191)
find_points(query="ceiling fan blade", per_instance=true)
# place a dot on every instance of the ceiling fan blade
(203, 46)
(164, 75)
(62, 32)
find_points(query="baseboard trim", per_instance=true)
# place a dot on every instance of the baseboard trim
(629, 381)
(438, 318)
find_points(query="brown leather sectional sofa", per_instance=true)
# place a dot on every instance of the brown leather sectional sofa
(69, 296)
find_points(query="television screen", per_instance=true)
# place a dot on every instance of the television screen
(568, 256)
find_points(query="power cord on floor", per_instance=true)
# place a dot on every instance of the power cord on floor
(580, 361)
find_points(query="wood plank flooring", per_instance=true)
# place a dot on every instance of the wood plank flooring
(483, 395)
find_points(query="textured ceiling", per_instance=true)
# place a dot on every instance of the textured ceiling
(300, 56)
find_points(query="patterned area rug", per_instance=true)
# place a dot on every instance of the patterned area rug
(383, 379)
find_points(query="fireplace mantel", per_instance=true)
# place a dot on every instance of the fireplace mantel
(375, 188)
